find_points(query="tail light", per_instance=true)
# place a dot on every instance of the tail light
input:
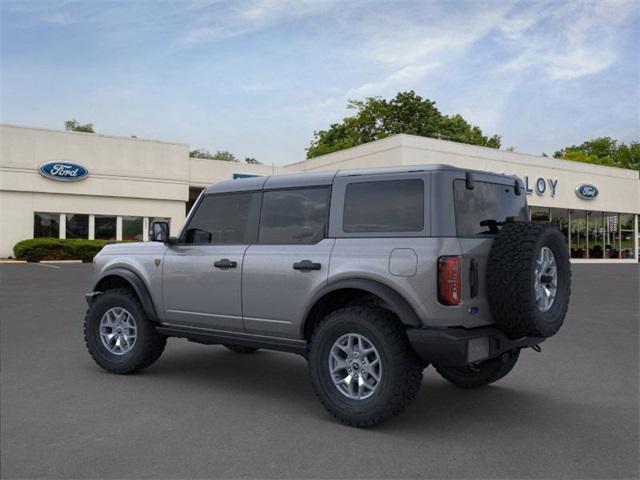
(449, 280)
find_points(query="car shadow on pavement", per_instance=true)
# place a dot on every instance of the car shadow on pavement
(282, 382)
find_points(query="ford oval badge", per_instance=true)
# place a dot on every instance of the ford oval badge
(63, 171)
(586, 191)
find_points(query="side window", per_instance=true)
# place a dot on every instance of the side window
(294, 216)
(224, 219)
(384, 206)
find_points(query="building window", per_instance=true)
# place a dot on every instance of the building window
(132, 228)
(294, 216)
(578, 234)
(46, 225)
(560, 218)
(626, 236)
(539, 214)
(384, 206)
(77, 226)
(595, 225)
(105, 227)
(611, 236)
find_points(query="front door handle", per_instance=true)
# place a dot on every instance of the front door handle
(225, 263)
(306, 265)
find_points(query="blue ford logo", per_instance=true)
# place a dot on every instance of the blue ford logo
(586, 191)
(64, 171)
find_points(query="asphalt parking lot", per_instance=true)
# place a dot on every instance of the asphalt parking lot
(201, 411)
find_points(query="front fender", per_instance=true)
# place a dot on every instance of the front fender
(134, 280)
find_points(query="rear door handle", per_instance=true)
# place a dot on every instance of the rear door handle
(225, 263)
(306, 265)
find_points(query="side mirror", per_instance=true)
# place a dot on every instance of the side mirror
(159, 232)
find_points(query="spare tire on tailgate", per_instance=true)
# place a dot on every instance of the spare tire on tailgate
(529, 279)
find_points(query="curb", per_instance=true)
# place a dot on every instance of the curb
(60, 261)
(6, 261)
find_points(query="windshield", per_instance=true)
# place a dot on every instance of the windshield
(482, 210)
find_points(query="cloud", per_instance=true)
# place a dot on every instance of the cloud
(400, 79)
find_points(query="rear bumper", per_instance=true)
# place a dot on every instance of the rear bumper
(458, 347)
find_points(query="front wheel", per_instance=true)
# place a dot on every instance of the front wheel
(480, 375)
(118, 334)
(362, 367)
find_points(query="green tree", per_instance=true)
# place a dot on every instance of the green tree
(219, 155)
(74, 126)
(225, 156)
(604, 151)
(377, 118)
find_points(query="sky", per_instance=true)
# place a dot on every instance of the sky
(258, 77)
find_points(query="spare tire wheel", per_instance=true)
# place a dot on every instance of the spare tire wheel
(529, 279)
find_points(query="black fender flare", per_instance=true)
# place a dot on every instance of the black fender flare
(396, 302)
(134, 280)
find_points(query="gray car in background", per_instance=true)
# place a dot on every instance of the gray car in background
(372, 275)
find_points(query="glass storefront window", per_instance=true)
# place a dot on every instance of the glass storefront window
(626, 236)
(560, 218)
(611, 236)
(46, 225)
(596, 234)
(539, 214)
(77, 226)
(132, 228)
(578, 233)
(105, 227)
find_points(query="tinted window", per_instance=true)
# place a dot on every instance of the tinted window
(294, 216)
(105, 227)
(385, 206)
(132, 228)
(77, 226)
(46, 225)
(224, 219)
(486, 203)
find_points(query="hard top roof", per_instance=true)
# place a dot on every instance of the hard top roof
(311, 179)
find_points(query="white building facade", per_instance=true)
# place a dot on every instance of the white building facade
(77, 185)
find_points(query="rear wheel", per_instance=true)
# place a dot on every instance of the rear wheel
(119, 336)
(480, 375)
(239, 348)
(362, 367)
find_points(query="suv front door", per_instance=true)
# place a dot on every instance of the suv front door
(202, 274)
(290, 262)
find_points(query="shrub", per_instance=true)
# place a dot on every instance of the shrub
(36, 249)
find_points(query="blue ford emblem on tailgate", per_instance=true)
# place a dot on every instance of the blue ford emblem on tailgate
(64, 171)
(586, 191)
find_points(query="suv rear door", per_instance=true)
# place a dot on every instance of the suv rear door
(202, 273)
(492, 199)
(289, 263)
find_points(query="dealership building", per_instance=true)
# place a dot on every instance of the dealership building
(78, 185)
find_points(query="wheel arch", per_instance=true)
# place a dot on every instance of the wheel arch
(122, 277)
(344, 292)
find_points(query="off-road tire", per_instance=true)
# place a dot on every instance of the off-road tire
(148, 346)
(511, 276)
(487, 372)
(401, 375)
(239, 348)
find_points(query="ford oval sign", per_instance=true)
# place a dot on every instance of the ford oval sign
(63, 171)
(586, 191)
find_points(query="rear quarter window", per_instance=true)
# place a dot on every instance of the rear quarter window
(486, 202)
(384, 206)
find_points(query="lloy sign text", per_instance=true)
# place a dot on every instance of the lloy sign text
(541, 185)
(63, 171)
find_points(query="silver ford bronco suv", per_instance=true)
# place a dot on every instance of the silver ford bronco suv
(371, 275)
